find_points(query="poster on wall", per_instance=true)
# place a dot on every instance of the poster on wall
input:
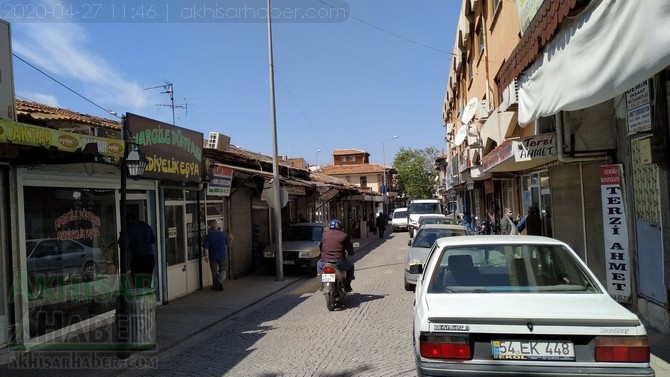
(221, 182)
(638, 107)
(617, 253)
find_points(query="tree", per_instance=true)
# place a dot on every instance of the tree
(416, 172)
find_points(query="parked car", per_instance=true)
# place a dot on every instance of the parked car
(420, 245)
(520, 305)
(399, 219)
(65, 258)
(300, 247)
(427, 219)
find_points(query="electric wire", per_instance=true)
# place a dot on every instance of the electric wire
(66, 87)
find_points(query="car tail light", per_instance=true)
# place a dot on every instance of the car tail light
(445, 347)
(622, 349)
(328, 269)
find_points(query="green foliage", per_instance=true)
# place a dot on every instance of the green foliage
(416, 172)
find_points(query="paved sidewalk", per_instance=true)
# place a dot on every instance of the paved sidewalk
(197, 312)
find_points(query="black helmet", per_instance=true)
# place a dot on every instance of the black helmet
(335, 224)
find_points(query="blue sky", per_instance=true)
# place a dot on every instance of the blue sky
(349, 81)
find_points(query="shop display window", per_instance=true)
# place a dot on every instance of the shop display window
(71, 255)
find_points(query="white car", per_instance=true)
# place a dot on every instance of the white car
(420, 245)
(520, 305)
(399, 219)
(300, 247)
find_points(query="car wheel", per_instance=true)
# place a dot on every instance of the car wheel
(89, 272)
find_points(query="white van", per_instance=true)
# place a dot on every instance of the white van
(399, 219)
(418, 207)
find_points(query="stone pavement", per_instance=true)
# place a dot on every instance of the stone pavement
(195, 313)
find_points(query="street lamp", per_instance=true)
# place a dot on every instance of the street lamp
(384, 188)
(133, 164)
(316, 158)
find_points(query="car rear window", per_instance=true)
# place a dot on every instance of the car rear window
(399, 214)
(510, 268)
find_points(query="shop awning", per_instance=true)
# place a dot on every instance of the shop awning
(497, 126)
(521, 154)
(609, 48)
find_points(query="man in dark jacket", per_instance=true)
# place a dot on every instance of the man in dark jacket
(381, 224)
(532, 222)
(141, 240)
(335, 245)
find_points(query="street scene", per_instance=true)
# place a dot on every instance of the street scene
(335, 188)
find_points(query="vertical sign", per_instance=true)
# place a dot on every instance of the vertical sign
(617, 256)
(221, 182)
(638, 105)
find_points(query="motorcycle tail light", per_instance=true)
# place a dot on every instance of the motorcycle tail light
(455, 347)
(622, 349)
(328, 270)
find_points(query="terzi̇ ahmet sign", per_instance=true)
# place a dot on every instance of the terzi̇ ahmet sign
(174, 153)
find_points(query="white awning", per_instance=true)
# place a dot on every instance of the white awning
(607, 49)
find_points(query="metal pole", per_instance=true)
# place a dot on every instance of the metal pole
(121, 319)
(385, 189)
(279, 260)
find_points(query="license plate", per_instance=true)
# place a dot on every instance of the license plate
(532, 350)
(328, 278)
(289, 262)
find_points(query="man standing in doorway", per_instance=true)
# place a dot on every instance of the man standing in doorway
(141, 239)
(214, 247)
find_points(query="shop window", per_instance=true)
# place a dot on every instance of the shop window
(71, 255)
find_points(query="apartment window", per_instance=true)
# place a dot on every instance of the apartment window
(343, 158)
(471, 72)
(481, 39)
(364, 181)
(352, 158)
(348, 178)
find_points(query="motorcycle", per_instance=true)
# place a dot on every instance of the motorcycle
(333, 281)
(332, 284)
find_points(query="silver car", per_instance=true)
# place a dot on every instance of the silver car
(419, 247)
(65, 258)
(520, 306)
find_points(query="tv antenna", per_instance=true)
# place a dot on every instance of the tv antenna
(169, 90)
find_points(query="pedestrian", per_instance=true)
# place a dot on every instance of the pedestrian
(467, 220)
(141, 240)
(215, 245)
(381, 224)
(302, 219)
(507, 224)
(532, 222)
(546, 222)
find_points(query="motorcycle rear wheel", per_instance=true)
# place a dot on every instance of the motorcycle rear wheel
(330, 300)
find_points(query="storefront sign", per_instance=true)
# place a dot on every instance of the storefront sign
(294, 190)
(617, 256)
(639, 108)
(77, 225)
(27, 134)
(221, 181)
(174, 153)
(497, 156)
(539, 146)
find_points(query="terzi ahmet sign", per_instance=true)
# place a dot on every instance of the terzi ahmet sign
(617, 254)
(174, 153)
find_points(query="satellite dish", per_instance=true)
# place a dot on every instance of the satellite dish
(470, 110)
(461, 135)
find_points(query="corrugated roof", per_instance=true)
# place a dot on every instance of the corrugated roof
(338, 152)
(352, 169)
(53, 116)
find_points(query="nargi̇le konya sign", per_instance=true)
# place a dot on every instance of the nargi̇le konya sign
(615, 227)
(174, 153)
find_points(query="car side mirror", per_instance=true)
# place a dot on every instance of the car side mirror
(409, 242)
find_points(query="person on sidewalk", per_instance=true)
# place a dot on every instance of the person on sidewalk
(335, 245)
(141, 241)
(214, 246)
(381, 224)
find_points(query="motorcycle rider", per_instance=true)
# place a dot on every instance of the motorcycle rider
(335, 245)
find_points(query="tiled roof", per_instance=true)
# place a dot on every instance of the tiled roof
(53, 116)
(339, 152)
(352, 169)
(540, 31)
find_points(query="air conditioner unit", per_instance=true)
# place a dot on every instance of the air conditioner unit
(218, 141)
(484, 110)
(510, 96)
